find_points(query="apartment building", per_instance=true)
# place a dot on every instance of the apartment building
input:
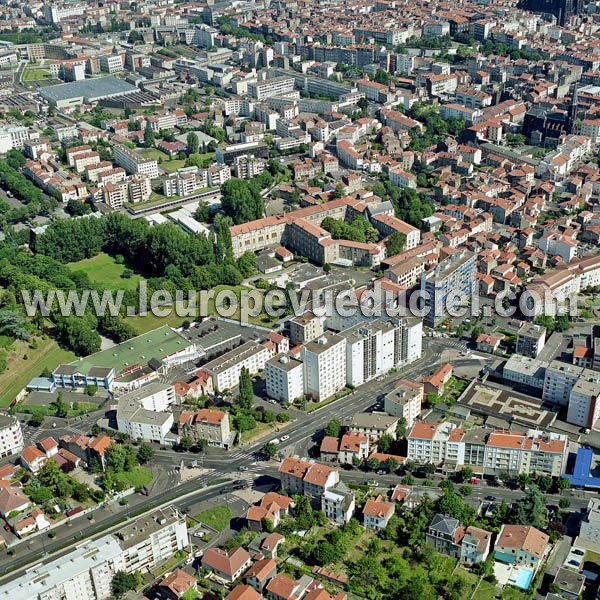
(559, 381)
(111, 63)
(11, 436)
(133, 163)
(86, 572)
(450, 284)
(372, 349)
(338, 504)
(207, 424)
(527, 374)
(324, 365)
(271, 87)
(305, 327)
(140, 423)
(427, 442)
(489, 452)
(180, 184)
(307, 478)
(584, 402)
(405, 401)
(374, 425)
(531, 338)
(225, 370)
(284, 378)
(377, 513)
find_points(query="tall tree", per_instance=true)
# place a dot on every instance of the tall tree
(192, 143)
(149, 136)
(245, 398)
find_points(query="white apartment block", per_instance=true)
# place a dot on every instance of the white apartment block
(405, 401)
(372, 349)
(270, 87)
(488, 452)
(559, 381)
(338, 504)
(154, 396)
(134, 163)
(86, 572)
(324, 365)
(305, 327)
(111, 63)
(140, 423)
(285, 378)
(225, 370)
(11, 436)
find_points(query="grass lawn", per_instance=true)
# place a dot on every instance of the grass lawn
(469, 578)
(487, 591)
(217, 517)
(106, 273)
(153, 153)
(151, 321)
(47, 410)
(137, 477)
(35, 74)
(260, 430)
(19, 370)
(172, 165)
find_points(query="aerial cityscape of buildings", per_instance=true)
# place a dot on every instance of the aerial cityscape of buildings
(299, 300)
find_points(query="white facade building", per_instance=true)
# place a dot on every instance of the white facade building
(285, 378)
(324, 365)
(11, 436)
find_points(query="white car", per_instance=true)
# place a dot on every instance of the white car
(189, 560)
(285, 437)
(199, 534)
(199, 554)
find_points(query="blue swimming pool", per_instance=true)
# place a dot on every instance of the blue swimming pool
(523, 578)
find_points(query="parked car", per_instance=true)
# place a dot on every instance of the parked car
(285, 437)
(242, 468)
(474, 480)
(381, 472)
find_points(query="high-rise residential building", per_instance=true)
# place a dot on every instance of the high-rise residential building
(584, 404)
(11, 436)
(285, 378)
(559, 381)
(450, 284)
(372, 349)
(324, 362)
(86, 572)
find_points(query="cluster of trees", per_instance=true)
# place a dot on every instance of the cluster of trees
(172, 259)
(245, 415)
(52, 482)
(396, 243)
(360, 230)
(409, 205)
(415, 574)
(559, 323)
(16, 182)
(333, 547)
(492, 47)
(227, 28)
(120, 458)
(241, 199)
(436, 128)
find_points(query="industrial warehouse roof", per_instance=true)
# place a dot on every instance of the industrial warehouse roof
(89, 90)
